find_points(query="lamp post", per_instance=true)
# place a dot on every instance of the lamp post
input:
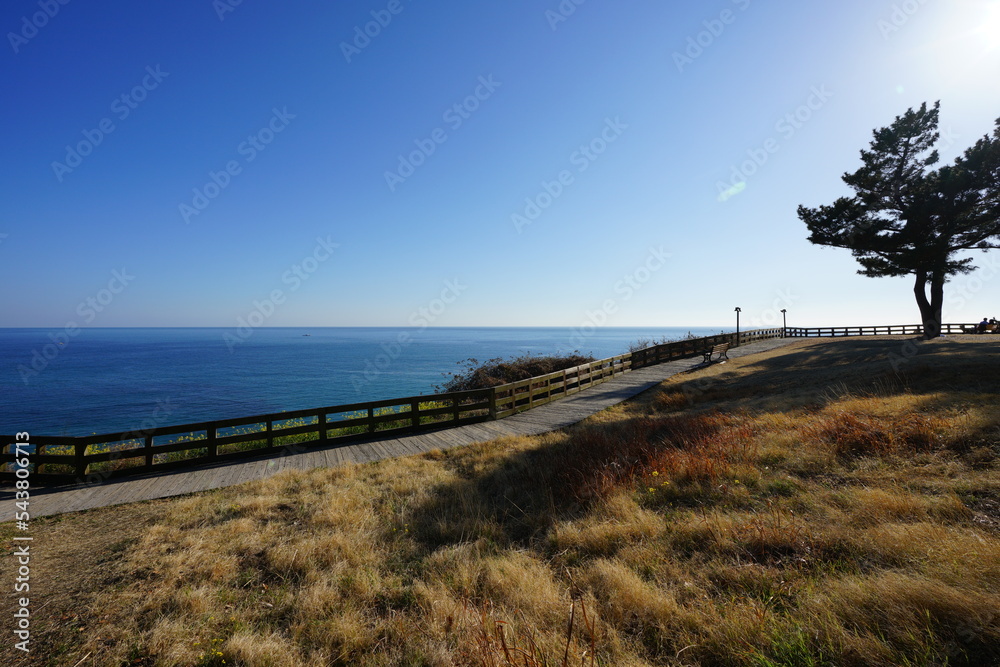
(784, 322)
(738, 310)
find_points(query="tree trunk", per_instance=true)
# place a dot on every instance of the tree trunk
(937, 304)
(930, 309)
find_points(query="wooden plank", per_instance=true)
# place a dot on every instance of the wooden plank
(499, 428)
(236, 473)
(348, 455)
(334, 457)
(382, 450)
(385, 450)
(213, 476)
(111, 493)
(78, 498)
(145, 488)
(479, 433)
(256, 470)
(407, 446)
(130, 490)
(431, 441)
(231, 474)
(363, 453)
(415, 443)
(458, 437)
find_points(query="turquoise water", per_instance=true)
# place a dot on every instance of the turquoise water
(55, 382)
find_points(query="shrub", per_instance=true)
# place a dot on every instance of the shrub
(500, 371)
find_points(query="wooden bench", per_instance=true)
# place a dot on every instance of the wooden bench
(721, 349)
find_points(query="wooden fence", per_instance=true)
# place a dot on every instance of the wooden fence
(888, 330)
(61, 460)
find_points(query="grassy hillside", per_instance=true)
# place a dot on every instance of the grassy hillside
(834, 502)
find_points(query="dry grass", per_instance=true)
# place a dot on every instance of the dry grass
(810, 506)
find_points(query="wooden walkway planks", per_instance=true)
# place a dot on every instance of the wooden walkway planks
(549, 417)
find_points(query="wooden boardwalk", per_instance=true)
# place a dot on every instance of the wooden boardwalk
(549, 417)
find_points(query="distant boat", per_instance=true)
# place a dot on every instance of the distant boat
(307, 334)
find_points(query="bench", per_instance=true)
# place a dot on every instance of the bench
(721, 349)
(990, 328)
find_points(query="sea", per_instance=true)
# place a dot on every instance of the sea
(63, 382)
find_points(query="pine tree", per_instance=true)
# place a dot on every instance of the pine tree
(907, 218)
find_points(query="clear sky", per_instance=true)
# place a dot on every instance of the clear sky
(507, 163)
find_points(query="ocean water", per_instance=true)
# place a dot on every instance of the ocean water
(117, 380)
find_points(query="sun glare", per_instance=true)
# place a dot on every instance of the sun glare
(988, 29)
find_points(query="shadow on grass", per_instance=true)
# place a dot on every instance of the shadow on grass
(517, 500)
(849, 365)
(524, 493)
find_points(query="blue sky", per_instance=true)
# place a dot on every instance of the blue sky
(512, 163)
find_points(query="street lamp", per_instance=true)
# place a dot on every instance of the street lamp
(738, 311)
(784, 322)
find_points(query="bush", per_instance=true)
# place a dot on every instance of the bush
(500, 371)
(644, 343)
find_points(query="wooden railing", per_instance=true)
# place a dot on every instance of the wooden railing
(96, 457)
(887, 330)
(533, 392)
(59, 460)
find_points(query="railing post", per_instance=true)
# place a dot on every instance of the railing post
(148, 446)
(493, 402)
(80, 451)
(321, 421)
(213, 444)
(415, 412)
